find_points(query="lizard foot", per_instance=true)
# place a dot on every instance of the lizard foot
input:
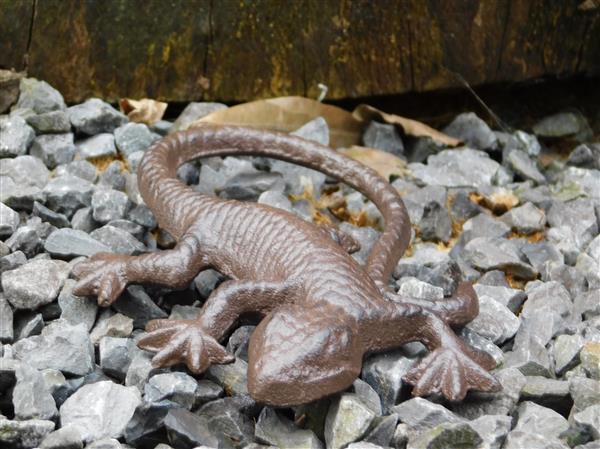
(183, 341)
(451, 372)
(102, 275)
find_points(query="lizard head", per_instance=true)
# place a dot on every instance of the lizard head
(299, 354)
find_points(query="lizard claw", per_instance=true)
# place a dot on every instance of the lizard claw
(451, 372)
(103, 275)
(183, 341)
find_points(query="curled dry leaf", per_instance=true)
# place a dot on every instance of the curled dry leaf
(286, 114)
(365, 113)
(143, 111)
(386, 164)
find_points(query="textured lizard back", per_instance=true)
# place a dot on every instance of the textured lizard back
(160, 188)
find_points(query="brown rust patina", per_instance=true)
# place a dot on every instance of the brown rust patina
(322, 311)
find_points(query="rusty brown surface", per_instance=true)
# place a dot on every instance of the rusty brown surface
(182, 50)
(320, 310)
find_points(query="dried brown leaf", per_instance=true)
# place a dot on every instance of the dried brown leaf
(143, 111)
(386, 164)
(365, 113)
(286, 114)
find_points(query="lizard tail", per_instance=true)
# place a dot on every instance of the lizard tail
(157, 177)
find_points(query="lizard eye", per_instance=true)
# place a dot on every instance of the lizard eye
(297, 355)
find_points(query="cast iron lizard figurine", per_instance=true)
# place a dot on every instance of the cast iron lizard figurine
(322, 310)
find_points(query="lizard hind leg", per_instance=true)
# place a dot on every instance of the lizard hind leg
(452, 367)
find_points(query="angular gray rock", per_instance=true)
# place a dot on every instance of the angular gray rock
(226, 418)
(115, 356)
(526, 219)
(67, 437)
(17, 136)
(561, 124)
(435, 224)
(61, 346)
(566, 352)
(9, 221)
(186, 429)
(106, 443)
(39, 96)
(80, 168)
(137, 305)
(492, 429)
(65, 194)
(447, 435)
(193, 112)
(112, 176)
(12, 261)
(100, 410)
(526, 440)
(118, 240)
(420, 414)
(50, 122)
(501, 403)
(590, 358)
(112, 325)
(34, 284)
(367, 395)
(54, 149)
(133, 137)
(109, 204)
(233, 377)
(348, 419)
(494, 321)
(412, 287)
(550, 393)
(94, 116)
(49, 216)
(100, 145)
(589, 420)
(384, 372)
(77, 309)
(457, 168)
(31, 396)
(473, 131)
(176, 387)
(538, 254)
(536, 419)
(525, 167)
(509, 297)
(277, 431)
(24, 434)
(25, 171)
(383, 137)
(68, 243)
(497, 253)
(579, 216)
(6, 321)
(249, 186)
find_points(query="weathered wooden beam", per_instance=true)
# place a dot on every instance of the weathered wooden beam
(234, 50)
(15, 21)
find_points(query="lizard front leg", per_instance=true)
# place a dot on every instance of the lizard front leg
(196, 342)
(106, 275)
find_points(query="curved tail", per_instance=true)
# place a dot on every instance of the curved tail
(158, 183)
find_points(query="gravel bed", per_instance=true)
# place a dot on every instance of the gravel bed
(526, 234)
